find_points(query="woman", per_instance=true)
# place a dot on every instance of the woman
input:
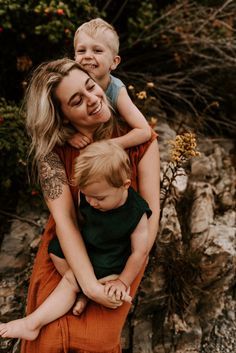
(62, 96)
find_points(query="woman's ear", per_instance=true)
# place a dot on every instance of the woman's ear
(116, 61)
(127, 183)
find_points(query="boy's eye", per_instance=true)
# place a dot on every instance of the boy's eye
(98, 50)
(80, 51)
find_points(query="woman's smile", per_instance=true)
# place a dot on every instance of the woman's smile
(97, 109)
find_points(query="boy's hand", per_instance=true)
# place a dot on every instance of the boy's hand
(79, 141)
(117, 289)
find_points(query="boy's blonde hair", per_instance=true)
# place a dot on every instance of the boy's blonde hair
(95, 26)
(102, 160)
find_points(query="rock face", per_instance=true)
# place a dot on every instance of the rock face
(195, 258)
(192, 267)
(16, 259)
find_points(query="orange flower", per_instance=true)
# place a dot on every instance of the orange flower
(60, 12)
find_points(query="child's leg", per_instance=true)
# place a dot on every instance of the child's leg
(56, 305)
(62, 266)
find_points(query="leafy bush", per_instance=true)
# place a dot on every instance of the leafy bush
(32, 32)
(13, 147)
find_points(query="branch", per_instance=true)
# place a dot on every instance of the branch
(23, 219)
(212, 17)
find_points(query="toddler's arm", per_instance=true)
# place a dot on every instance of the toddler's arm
(79, 140)
(121, 288)
(139, 248)
(141, 131)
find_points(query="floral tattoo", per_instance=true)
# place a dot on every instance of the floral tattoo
(52, 176)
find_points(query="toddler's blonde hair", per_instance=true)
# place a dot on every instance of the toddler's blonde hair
(102, 160)
(95, 26)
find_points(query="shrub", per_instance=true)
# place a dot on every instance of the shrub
(13, 147)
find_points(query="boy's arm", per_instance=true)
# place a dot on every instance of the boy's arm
(79, 140)
(139, 248)
(141, 131)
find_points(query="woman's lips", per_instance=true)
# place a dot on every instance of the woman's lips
(97, 109)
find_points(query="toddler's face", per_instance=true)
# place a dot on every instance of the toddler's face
(95, 55)
(103, 196)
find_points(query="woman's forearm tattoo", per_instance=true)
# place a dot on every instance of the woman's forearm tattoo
(52, 176)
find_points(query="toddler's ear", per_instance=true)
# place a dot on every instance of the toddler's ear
(127, 183)
(116, 62)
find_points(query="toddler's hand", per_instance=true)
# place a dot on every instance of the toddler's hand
(79, 141)
(118, 290)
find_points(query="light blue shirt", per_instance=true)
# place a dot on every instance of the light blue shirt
(113, 90)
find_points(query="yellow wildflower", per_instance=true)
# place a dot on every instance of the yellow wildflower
(150, 84)
(142, 95)
(184, 147)
(153, 122)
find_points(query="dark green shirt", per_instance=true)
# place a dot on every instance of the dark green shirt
(107, 234)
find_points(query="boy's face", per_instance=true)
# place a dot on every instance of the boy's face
(105, 197)
(95, 55)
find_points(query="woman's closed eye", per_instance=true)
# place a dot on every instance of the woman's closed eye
(91, 87)
(76, 102)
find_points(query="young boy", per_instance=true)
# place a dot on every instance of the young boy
(114, 229)
(96, 46)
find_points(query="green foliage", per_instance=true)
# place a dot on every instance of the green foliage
(32, 32)
(145, 17)
(13, 147)
(56, 20)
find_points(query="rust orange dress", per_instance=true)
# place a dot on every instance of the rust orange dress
(97, 329)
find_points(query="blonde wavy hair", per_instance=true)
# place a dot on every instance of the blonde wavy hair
(44, 119)
(102, 160)
(98, 25)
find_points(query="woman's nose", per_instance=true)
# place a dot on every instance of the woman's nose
(92, 99)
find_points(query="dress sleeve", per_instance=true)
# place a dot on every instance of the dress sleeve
(136, 153)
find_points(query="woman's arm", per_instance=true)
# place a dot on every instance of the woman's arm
(149, 187)
(59, 201)
(141, 131)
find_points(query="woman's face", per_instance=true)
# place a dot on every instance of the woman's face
(83, 102)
